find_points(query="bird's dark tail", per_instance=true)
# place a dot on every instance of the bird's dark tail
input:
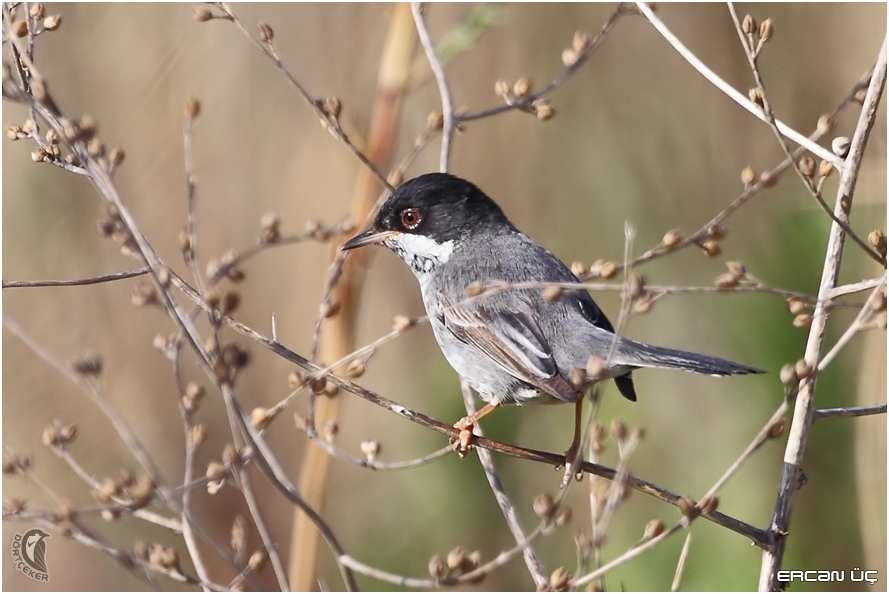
(639, 354)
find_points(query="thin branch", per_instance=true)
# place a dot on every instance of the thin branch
(447, 105)
(752, 58)
(733, 93)
(848, 412)
(94, 280)
(526, 101)
(856, 325)
(680, 565)
(773, 555)
(506, 506)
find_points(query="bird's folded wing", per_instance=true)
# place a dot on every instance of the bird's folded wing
(514, 342)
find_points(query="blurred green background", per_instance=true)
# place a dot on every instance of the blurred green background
(639, 136)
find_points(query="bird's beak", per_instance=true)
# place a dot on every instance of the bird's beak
(368, 237)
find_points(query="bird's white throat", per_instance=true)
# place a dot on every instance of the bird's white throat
(419, 252)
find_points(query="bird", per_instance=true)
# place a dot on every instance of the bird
(512, 346)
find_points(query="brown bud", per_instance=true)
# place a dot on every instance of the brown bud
(257, 560)
(777, 428)
(356, 369)
(333, 107)
(795, 305)
(711, 248)
(437, 567)
(717, 232)
(878, 239)
(455, 557)
(36, 10)
(595, 367)
(543, 505)
(825, 124)
(20, 28)
(198, 434)
(231, 299)
(672, 238)
(88, 364)
(38, 155)
(435, 121)
(748, 175)
(807, 166)
(635, 285)
(748, 25)
(654, 528)
(608, 269)
(521, 87)
(552, 293)
(563, 516)
(736, 269)
(501, 88)
(788, 375)
(543, 109)
(192, 107)
(726, 281)
(581, 41)
(766, 29)
(401, 323)
(202, 14)
(859, 96)
(560, 579)
(577, 377)
(215, 471)
(709, 505)
(230, 455)
(370, 449)
(50, 437)
(116, 156)
(578, 268)
(266, 34)
(802, 321)
(756, 96)
(569, 57)
(840, 146)
(260, 417)
(271, 227)
(618, 430)
(688, 507)
(803, 369)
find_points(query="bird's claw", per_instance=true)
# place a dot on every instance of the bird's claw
(573, 466)
(463, 443)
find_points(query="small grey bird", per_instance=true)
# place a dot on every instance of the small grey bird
(513, 346)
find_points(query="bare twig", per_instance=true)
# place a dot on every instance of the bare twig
(752, 57)
(779, 527)
(848, 412)
(680, 565)
(94, 280)
(733, 93)
(506, 505)
(447, 105)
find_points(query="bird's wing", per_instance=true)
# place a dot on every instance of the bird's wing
(512, 340)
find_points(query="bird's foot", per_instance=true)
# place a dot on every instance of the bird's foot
(573, 465)
(463, 443)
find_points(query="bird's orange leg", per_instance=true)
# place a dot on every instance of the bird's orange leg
(574, 455)
(465, 425)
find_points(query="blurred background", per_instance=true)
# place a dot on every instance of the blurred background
(638, 137)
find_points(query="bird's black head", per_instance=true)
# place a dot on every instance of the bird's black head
(438, 206)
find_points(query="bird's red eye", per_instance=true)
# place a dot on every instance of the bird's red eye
(411, 218)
